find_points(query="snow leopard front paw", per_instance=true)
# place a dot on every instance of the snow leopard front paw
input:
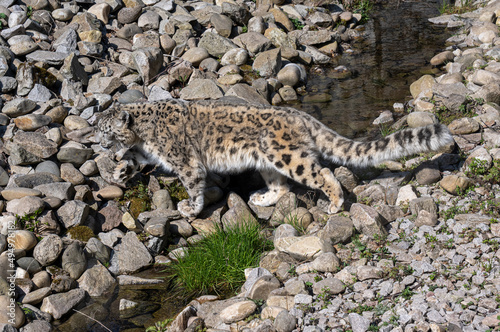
(122, 172)
(189, 209)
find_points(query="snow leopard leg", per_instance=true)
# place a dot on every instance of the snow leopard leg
(194, 180)
(276, 187)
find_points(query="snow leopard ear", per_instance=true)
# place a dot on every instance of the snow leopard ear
(122, 120)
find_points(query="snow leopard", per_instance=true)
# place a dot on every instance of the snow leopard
(193, 138)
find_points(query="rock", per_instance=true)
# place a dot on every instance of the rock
(290, 75)
(267, 63)
(22, 45)
(73, 260)
(253, 42)
(61, 190)
(27, 205)
(157, 226)
(16, 193)
(96, 280)
(8, 305)
(463, 126)
(201, 89)
(73, 213)
(329, 286)
(32, 121)
(29, 264)
(215, 44)
(367, 220)
(423, 84)
(237, 311)
(129, 15)
(129, 256)
(147, 61)
(110, 216)
(338, 229)
(302, 248)
(18, 107)
(369, 272)
(110, 193)
(455, 184)
(48, 249)
(23, 240)
(420, 119)
(442, 58)
(37, 296)
(75, 153)
(425, 218)
(247, 93)
(358, 322)
(222, 24)
(59, 304)
(236, 56)
(285, 322)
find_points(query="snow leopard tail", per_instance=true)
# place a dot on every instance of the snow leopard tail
(406, 142)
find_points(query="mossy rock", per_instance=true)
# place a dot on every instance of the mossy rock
(81, 233)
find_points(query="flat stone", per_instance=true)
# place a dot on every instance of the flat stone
(16, 193)
(59, 304)
(48, 249)
(129, 256)
(96, 280)
(237, 311)
(367, 220)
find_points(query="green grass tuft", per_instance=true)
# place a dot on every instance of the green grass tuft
(216, 264)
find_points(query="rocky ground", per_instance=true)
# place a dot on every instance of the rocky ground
(426, 251)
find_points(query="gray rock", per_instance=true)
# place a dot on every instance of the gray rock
(29, 264)
(25, 205)
(285, 322)
(37, 326)
(18, 107)
(95, 248)
(74, 153)
(50, 58)
(62, 190)
(128, 15)
(338, 229)
(215, 44)
(329, 286)
(317, 56)
(222, 24)
(129, 256)
(105, 85)
(150, 20)
(59, 304)
(73, 213)
(32, 122)
(130, 96)
(48, 167)
(367, 220)
(199, 89)
(48, 249)
(37, 296)
(73, 70)
(253, 42)
(148, 62)
(22, 45)
(40, 93)
(7, 84)
(358, 323)
(65, 44)
(73, 260)
(96, 280)
(247, 93)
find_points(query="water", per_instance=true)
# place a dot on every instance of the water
(394, 51)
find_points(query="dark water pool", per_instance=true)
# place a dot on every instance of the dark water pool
(394, 51)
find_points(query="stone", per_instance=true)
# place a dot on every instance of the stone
(101, 11)
(110, 216)
(37, 296)
(23, 240)
(302, 248)
(195, 55)
(366, 272)
(358, 322)
(290, 75)
(455, 184)
(285, 322)
(104, 85)
(329, 286)
(48, 167)
(420, 119)
(423, 84)
(32, 122)
(282, 19)
(29, 264)
(96, 280)
(110, 193)
(128, 15)
(47, 251)
(442, 58)
(200, 89)
(22, 45)
(18, 107)
(338, 229)
(367, 220)
(236, 56)
(73, 213)
(237, 311)
(17, 317)
(215, 44)
(463, 126)
(27, 205)
(16, 193)
(72, 175)
(222, 24)
(267, 63)
(181, 227)
(157, 226)
(148, 62)
(73, 260)
(59, 304)
(247, 93)
(75, 153)
(129, 256)
(62, 190)
(253, 42)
